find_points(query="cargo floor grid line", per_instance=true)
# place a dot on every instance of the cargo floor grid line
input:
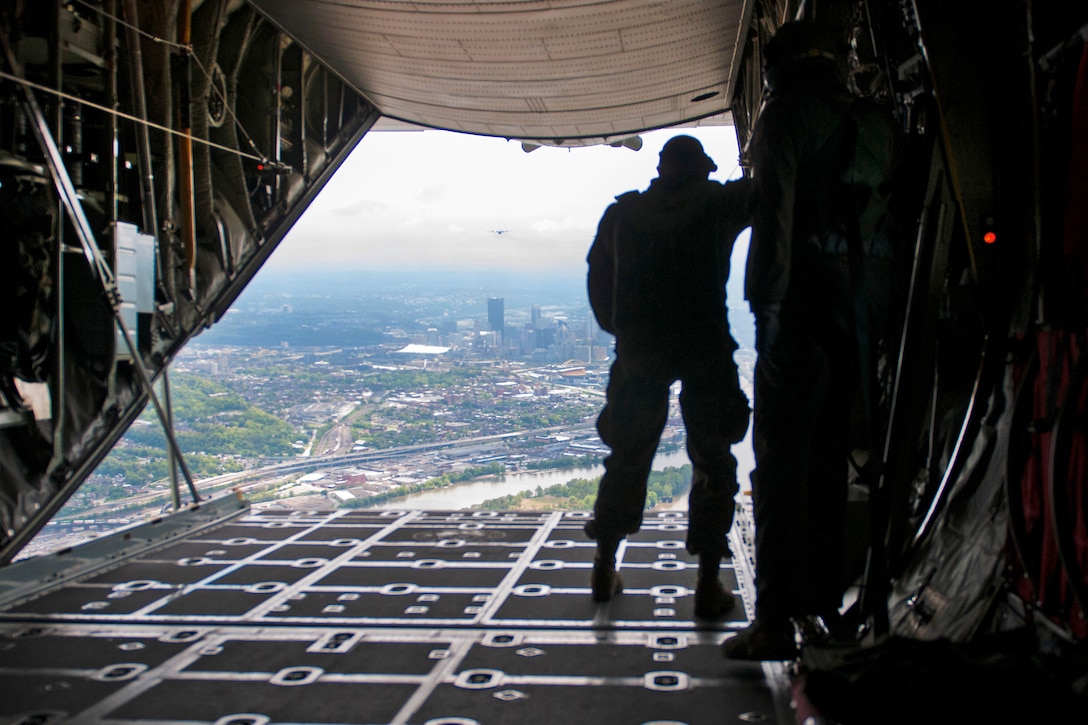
(423, 617)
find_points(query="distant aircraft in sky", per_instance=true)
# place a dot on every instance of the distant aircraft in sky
(500, 232)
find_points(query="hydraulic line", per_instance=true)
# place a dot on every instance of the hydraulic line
(185, 150)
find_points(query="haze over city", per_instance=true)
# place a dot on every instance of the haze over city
(445, 201)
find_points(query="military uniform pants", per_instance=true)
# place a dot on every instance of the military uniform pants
(715, 413)
(803, 395)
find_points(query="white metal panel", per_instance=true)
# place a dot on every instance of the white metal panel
(570, 72)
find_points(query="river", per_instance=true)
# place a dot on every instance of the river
(472, 493)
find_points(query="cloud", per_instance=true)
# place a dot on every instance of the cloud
(362, 207)
(433, 199)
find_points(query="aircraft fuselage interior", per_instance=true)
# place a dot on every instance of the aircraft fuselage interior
(154, 153)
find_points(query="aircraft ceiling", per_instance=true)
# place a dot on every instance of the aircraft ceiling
(551, 71)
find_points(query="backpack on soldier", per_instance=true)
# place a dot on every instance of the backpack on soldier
(868, 176)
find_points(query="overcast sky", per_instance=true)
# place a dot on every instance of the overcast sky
(438, 200)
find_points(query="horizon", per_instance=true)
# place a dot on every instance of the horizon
(443, 201)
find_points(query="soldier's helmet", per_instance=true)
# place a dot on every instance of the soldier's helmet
(683, 156)
(797, 43)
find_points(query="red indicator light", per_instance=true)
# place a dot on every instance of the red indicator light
(989, 237)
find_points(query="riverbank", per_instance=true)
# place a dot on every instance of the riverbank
(469, 494)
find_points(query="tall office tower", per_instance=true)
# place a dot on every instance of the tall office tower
(535, 320)
(496, 319)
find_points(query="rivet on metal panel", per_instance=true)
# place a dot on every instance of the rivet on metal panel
(294, 676)
(265, 587)
(510, 695)
(184, 635)
(668, 641)
(311, 563)
(243, 718)
(666, 565)
(559, 544)
(480, 679)
(666, 681)
(450, 543)
(669, 590)
(119, 672)
(136, 585)
(501, 640)
(531, 652)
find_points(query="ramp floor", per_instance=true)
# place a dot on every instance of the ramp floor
(421, 617)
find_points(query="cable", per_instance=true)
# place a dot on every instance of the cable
(134, 119)
(144, 33)
(188, 48)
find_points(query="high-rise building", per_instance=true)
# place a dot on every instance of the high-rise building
(496, 318)
(537, 317)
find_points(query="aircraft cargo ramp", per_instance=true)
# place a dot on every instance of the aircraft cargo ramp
(225, 615)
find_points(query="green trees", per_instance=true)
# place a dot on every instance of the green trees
(210, 419)
(580, 494)
(215, 429)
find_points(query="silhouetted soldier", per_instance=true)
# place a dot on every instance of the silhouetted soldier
(803, 281)
(657, 274)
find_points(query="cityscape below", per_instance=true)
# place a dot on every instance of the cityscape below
(361, 390)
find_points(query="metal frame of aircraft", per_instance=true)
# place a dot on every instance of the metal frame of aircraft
(154, 153)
